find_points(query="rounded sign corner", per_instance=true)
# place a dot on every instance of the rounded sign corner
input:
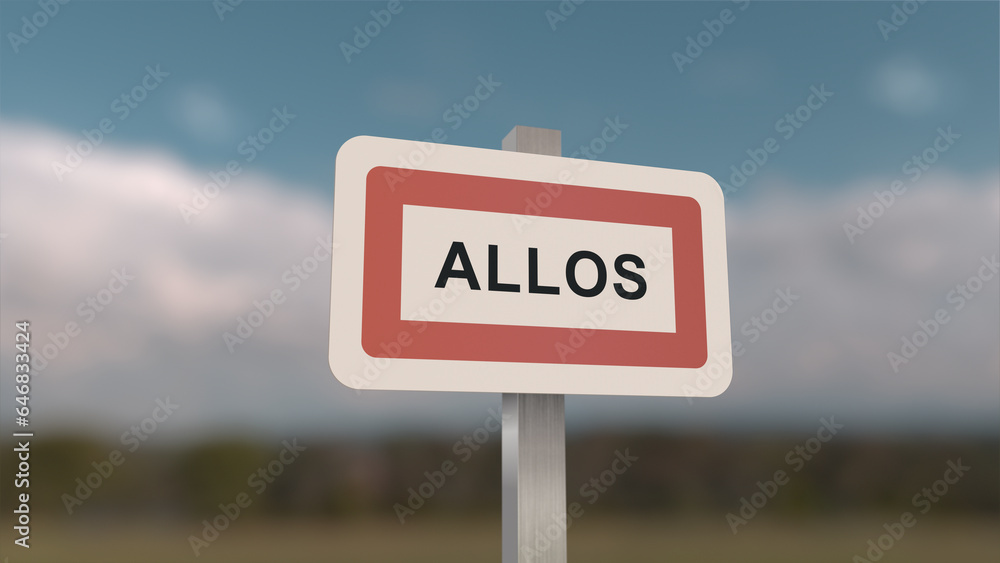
(354, 146)
(373, 170)
(721, 385)
(337, 371)
(712, 186)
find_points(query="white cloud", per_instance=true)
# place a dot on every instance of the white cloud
(907, 86)
(163, 334)
(121, 208)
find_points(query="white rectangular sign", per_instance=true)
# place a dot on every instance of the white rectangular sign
(463, 269)
(430, 231)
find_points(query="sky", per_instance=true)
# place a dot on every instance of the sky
(847, 94)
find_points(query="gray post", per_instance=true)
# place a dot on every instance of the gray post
(534, 438)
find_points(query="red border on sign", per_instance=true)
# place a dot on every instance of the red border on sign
(384, 334)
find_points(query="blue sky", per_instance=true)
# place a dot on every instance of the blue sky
(606, 59)
(162, 336)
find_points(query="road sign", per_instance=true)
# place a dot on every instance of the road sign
(465, 269)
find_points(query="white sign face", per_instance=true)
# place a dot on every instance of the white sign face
(423, 236)
(463, 269)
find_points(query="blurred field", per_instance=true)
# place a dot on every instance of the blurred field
(335, 502)
(597, 539)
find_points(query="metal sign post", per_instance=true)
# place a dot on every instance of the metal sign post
(534, 438)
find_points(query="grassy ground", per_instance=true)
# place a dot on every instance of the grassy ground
(596, 539)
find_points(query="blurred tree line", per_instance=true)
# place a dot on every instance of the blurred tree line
(362, 479)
